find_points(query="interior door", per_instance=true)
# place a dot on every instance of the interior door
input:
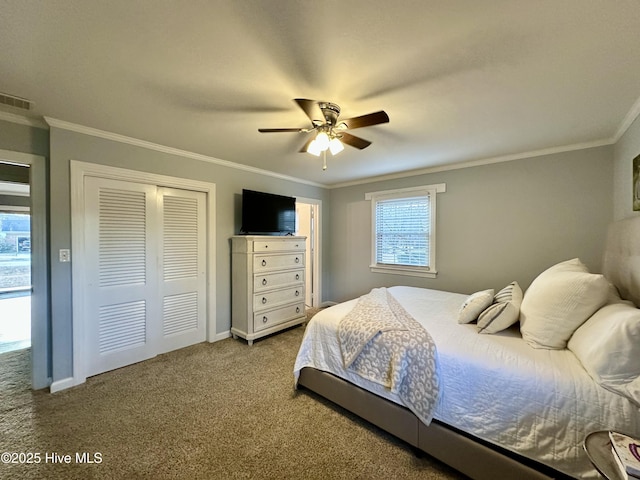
(307, 225)
(122, 284)
(183, 267)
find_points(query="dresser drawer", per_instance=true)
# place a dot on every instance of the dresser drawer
(265, 263)
(272, 299)
(270, 318)
(279, 245)
(269, 281)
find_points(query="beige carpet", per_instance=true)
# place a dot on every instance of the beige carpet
(211, 411)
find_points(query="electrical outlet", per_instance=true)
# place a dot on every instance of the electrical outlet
(65, 255)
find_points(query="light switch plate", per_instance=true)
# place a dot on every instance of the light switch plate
(65, 255)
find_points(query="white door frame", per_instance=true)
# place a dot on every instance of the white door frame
(317, 252)
(40, 317)
(80, 170)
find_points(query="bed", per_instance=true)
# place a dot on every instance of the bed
(519, 401)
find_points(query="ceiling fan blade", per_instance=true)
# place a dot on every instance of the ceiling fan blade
(366, 120)
(272, 130)
(311, 108)
(354, 141)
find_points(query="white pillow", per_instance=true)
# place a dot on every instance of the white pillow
(558, 301)
(474, 305)
(504, 312)
(573, 265)
(608, 346)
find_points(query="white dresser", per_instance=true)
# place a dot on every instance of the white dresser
(267, 291)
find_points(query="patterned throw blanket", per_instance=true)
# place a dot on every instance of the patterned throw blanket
(381, 342)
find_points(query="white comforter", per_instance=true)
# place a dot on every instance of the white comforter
(538, 403)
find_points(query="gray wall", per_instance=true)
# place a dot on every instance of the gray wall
(67, 145)
(626, 149)
(25, 139)
(496, 223)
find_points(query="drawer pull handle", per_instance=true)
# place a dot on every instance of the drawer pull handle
(297, 260)
(297, 276)
(264, 319)
(297, 309)
(264, 263)
(297, 293)
(264, 300)
(264, 281)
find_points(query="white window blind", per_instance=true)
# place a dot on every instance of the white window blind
(403, 230)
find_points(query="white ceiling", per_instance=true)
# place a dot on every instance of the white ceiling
(462, 80)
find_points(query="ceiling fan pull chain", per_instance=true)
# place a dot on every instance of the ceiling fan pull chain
(324, 160)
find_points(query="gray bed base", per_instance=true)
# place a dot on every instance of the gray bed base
(471, 457)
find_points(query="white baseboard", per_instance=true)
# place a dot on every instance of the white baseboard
(221, 336)
(63, 384)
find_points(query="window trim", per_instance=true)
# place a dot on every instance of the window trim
(425, 190)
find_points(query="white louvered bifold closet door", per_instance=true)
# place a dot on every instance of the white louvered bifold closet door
(182, 267)
(122, 283)
(145, 272)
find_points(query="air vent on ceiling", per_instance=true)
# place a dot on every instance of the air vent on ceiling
(13, 101)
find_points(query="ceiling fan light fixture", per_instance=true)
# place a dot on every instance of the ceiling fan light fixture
(329, 133)
(322, 139)
(336, 146)
(314, 148)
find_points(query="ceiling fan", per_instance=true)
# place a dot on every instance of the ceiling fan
(331, 134)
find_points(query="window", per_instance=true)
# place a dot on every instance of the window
(404, 230)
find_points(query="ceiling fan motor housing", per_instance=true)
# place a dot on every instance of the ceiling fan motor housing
(331, 112)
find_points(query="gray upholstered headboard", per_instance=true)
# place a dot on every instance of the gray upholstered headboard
(621, 262)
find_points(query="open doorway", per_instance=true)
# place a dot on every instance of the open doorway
(15, 260)
(26, 171)
(308, 223)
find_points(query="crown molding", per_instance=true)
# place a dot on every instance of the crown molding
(116, 137)
(631, 116)
(477, 163)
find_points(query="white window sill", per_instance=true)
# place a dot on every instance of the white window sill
(424, 272)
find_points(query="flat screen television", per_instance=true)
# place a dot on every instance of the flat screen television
(267, 213)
